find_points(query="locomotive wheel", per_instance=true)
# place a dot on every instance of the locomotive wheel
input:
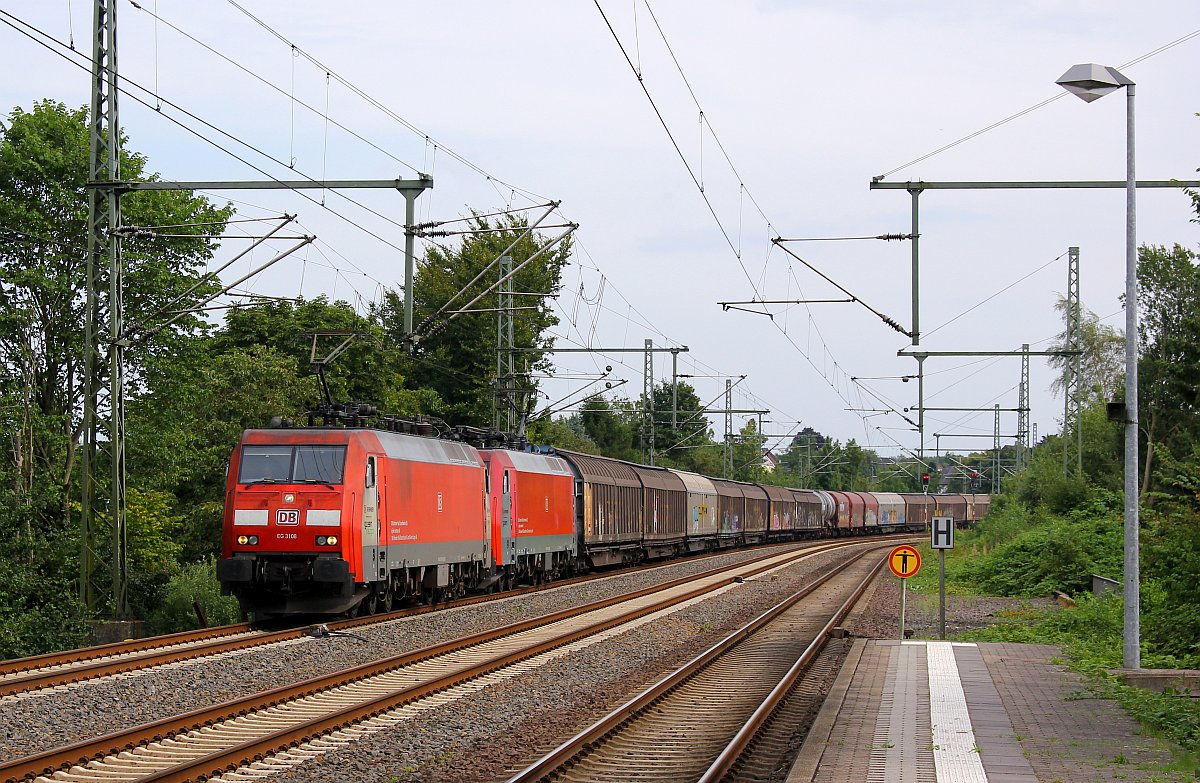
(368, 605)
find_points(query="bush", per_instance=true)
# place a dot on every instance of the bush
(193, 582)
(37, 615)
(1019, 552)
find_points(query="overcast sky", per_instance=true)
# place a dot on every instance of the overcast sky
(512, 104)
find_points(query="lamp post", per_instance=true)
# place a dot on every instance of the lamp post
(1090, 81)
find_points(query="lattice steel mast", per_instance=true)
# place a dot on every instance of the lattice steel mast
(103, 427)
(1023, 444)
(1072, 405)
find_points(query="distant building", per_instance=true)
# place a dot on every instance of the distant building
(769, 460)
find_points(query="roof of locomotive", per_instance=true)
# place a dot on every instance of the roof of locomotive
(394, 445)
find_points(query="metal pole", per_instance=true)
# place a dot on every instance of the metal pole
(675, 392)
(942, 592)
(916, 268)
(921, 410)
(903, 604)
(1071, 401)
(1132, 640)
(410, 220)
(996, 458)
(1023, 412)
(728, 471)
(648, 418)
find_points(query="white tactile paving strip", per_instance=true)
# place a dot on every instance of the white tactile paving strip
(956, 754)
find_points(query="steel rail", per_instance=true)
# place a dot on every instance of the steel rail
(745, 735)
(54, 669)
(81, 753)
(16, 665)
(598, 731)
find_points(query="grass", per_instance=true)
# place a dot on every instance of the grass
(1017, 553)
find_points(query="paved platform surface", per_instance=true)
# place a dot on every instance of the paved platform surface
(935, 712)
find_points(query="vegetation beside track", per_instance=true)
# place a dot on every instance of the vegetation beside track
(1023, 552)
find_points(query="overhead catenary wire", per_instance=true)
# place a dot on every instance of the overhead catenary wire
(706, 120)
(382, 107)
(1023, 112)
(13, 22)
(696, 181)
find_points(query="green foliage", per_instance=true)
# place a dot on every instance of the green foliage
(1171, 557)
(457, 356)
(1101, 367)
(1018, 552)
(747, 453)
(38, 610)
(1051, 554)
(43, 224)
(561, 434)
(372, 369)
(1169, 367)
(194, 582)
(674, 443)
(182, 433)
(610, 428)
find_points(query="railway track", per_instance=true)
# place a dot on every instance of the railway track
(212, 741)
(697, 723)
(57, 669)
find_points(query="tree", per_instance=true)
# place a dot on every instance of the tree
(561, 433)
(372, 369)
(182, 433)
(43, 215)
(456, 354)
(747, 453)
(691, 428)
(43, 252)
(1169, 368)
(609, 429)
(1102, 364)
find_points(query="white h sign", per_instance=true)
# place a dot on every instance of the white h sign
(942, 533)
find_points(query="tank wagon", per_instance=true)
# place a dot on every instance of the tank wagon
(354, 520)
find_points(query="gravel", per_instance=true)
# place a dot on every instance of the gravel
(32, 723)
(881, 619)
(490, 733)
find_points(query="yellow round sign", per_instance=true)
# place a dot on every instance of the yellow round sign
(904, 561)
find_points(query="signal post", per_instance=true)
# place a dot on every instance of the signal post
(941, 538)
(905, 561)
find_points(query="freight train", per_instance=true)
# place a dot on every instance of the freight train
(357, 520)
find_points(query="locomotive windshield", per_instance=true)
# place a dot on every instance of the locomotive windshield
(292, 464)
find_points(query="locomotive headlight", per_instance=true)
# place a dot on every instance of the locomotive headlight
(243, 540)
(253, 540)
(321, 540)
(288, 497)
(331, 540)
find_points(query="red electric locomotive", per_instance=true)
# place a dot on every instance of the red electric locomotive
(327, 520)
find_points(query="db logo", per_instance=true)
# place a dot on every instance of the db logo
(287, 516)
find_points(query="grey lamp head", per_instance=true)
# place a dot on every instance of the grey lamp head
(1091, 81)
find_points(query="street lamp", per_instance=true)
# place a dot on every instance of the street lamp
(1090, 81)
